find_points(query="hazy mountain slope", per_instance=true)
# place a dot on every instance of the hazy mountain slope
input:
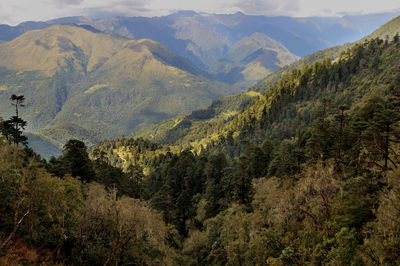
(251, 59)
(43, 146)
(208, 39)
(111, 85)
(274, 77)
(190, 135)
(389, 29)
(60, 134)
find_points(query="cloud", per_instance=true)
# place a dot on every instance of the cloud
(254, 7)
(16, 11)
(267, 7)
(68, 2)
(117, 8)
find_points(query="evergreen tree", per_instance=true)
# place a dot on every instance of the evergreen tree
(243, 188)
(381, 132)
(136, 175)
(214, 193)
(76, 160)
(13, 127)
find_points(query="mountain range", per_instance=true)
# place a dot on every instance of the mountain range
(105, 78)
(305, 174)
(209, 40)
(203, 127)
(301, 169)
(109, 85)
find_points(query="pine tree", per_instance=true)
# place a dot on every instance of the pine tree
(381, 132)
(214, 192)
(136, 174)
(13, 127)
(76, 160)
(243, 188)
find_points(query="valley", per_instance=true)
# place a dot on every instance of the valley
(201, 139)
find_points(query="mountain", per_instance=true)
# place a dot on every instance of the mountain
(113, 86)
(353, 68)
(251, 59)
(307, 173)
(263, 85)
(210, 40)
(50, 140)
(193, 133)
(43, 146)
(388, 30)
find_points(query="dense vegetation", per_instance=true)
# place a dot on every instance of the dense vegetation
(326, 137)
(308, 173)
(53, 219)
(200, 123)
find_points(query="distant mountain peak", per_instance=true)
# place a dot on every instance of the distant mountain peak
(183, 13)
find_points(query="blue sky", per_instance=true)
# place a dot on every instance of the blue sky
(16, 11)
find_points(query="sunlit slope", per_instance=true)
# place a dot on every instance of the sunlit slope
(113, 86)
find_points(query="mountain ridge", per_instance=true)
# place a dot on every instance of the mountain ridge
(192, 135)
(184, 33)
(70, 74)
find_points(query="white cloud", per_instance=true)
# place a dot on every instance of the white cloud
(69, 2)
(338, 7)
(270, 7)
(16, 11)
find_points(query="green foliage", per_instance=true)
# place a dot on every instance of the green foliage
(76, 160)
(57, 205)
(64, 221)
(187, 130)
(119, 230)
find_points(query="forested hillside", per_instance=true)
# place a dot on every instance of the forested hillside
(199, 123)
(306, 173)
(386, 31)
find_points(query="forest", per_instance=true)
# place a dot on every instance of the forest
(307, 173)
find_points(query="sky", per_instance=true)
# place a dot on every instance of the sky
(13, 12)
